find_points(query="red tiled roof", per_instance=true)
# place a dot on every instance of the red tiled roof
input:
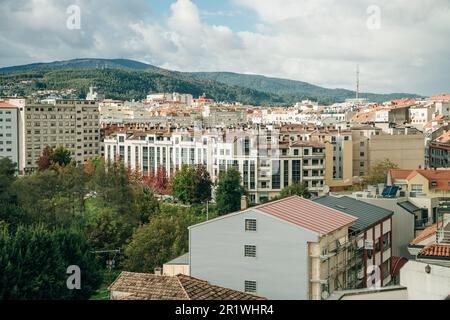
(440, 97)
(440, 177)
(146, 286)
(435, 250)
(307, 214)
(311, 143)
(6, 105)
(399, 173)
(425, 234)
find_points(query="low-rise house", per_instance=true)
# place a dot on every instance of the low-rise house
(428, 189)
(179, 265)
(146, 286)
(292, 248)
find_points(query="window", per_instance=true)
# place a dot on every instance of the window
(250, 286)
(250, 225)
(416, 188)
(250, 251)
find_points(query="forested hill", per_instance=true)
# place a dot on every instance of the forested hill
(128, 79)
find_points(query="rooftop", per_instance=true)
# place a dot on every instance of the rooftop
(145, 286)
(367, 214)
(307, 214)
(434, 250)
(183, 259)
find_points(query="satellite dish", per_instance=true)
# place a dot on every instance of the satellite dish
(326, 189)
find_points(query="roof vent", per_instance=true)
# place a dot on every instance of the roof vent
(341, 207)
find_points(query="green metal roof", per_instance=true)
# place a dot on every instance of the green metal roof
(367, 214)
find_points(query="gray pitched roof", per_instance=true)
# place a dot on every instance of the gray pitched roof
(184, 259)
(367, 214)
(408, 206)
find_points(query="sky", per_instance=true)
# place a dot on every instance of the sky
(399, 45)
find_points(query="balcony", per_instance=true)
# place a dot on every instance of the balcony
(422, 223)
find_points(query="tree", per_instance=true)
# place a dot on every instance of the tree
(44, 161)
(192, 184)
(163, 238)
(297, 189)
(229, 192)
(7, 176)
(61, 156)
(34, 260)
(378, 172)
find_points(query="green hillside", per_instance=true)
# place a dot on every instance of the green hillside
(128, 79)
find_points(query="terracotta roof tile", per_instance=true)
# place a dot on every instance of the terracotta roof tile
(435, 250)
(145, 286)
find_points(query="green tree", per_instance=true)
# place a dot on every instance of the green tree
(61, 156)
(34, 260)
(297, 189)
(192, 184)
(378, 172)
(163, 238)
(229, 192)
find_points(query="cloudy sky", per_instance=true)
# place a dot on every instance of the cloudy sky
(400, 45)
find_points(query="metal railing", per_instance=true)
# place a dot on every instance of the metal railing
(443, 237)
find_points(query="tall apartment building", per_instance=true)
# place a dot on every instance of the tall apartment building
(338, 155)
(73, 124)
(9, 131)
(267, 163)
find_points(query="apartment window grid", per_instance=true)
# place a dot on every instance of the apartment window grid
(250, 225)
(250, 286)
(250, 251)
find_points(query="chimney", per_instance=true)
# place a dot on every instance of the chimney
(158, 271)
(244, 203)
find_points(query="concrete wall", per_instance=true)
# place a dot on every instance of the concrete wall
(425, 286)
(281, 264)
(407, 151)
(175, 269)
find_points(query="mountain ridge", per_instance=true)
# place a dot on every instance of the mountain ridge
(251, 89)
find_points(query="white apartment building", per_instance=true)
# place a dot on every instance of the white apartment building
(9, 131)
(267, 163)
(420, 115)
(288, 249)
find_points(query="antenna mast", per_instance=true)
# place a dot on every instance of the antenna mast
(357, 81)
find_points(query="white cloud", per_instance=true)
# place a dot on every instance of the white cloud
(318, 41)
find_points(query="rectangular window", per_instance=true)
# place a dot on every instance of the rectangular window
(250, 225)
(276, 175)
(296, 167)
(250, 251)
(286, 173)
(250, 286)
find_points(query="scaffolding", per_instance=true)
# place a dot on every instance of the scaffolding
(344, 259)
